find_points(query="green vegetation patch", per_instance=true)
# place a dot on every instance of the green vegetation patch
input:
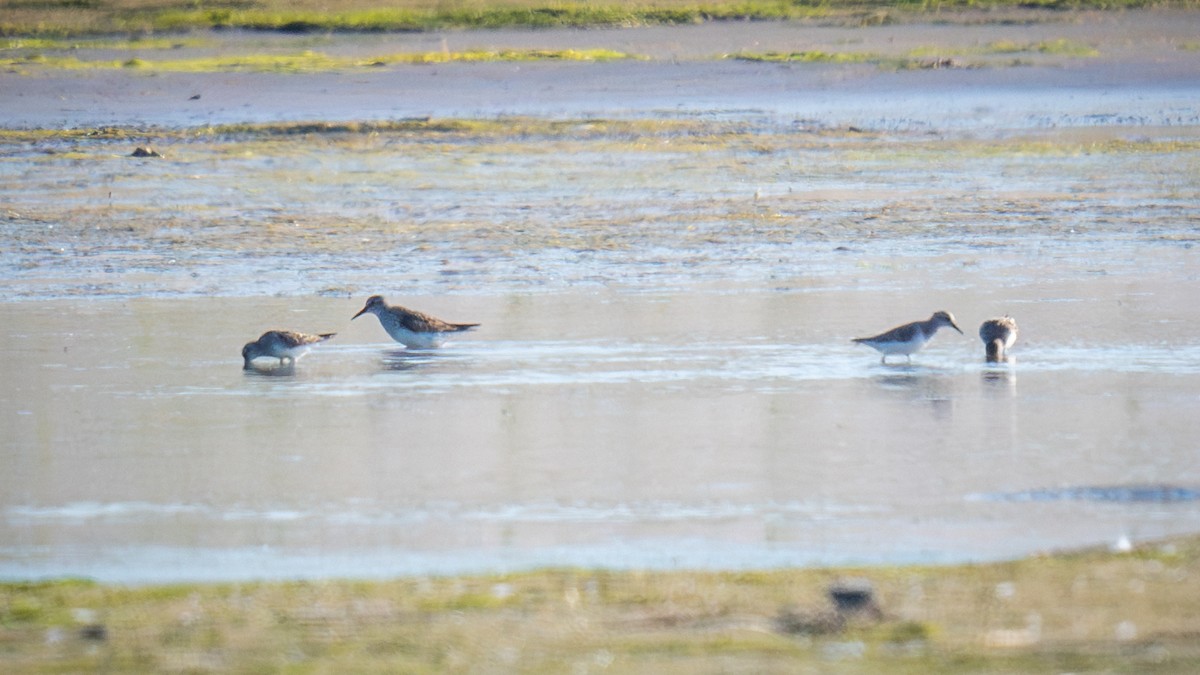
(1068, 147)
(926, 57)
(484, 55)
(53, 43)
(1060, 47)
(500, 127)
(518, 128)
(80, 17)
(309, 61)
(882, 61)
(813, 56)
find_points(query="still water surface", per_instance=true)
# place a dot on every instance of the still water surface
(717, 427)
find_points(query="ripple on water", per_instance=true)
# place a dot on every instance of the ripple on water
(1113, 494)
(365, 512)
(506, 365)
(758, 366)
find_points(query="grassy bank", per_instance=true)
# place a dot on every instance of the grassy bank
(1117, 612)
(30, 55)
(307, 61)
(73, 18)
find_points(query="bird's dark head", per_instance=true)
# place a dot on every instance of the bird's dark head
(250, 352)
(374, 304)
(945, 319)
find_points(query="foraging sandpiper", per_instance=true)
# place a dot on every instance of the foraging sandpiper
(909, 338)
(285, 345)
(410, 328)
(998, 335)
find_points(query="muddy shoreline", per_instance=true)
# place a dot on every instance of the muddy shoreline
(1095, 610)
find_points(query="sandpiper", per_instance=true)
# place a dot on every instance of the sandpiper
(410, 328)
(998, 335)
(909, 338)
(285, 345)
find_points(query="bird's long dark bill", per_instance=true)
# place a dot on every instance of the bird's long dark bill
(957, 329)
(364, 311)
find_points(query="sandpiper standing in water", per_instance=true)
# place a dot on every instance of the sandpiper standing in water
(411, 328)
(998, 335)
(285, 345)
(909, 338)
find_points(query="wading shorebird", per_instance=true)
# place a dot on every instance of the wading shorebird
(410, 328)
(998, 335)
(285, 345)
(909, 338)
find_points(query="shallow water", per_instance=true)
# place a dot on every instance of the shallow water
(663, 377)
(701, 429)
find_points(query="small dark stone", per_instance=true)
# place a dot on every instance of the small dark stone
(145, 152)
(95, 631)
(854, 596)
(939, 63)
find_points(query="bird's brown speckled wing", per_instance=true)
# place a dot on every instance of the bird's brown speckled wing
(903, 333)
(419, 322)
(291, 338)
(997, 329)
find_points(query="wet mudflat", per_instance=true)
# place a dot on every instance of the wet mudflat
(663, 377)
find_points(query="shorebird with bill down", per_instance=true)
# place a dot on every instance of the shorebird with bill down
(285, 345)
(998, 336)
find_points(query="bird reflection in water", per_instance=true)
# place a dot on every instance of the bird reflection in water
(1001, 376)
(284, 370)
(403, 359)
